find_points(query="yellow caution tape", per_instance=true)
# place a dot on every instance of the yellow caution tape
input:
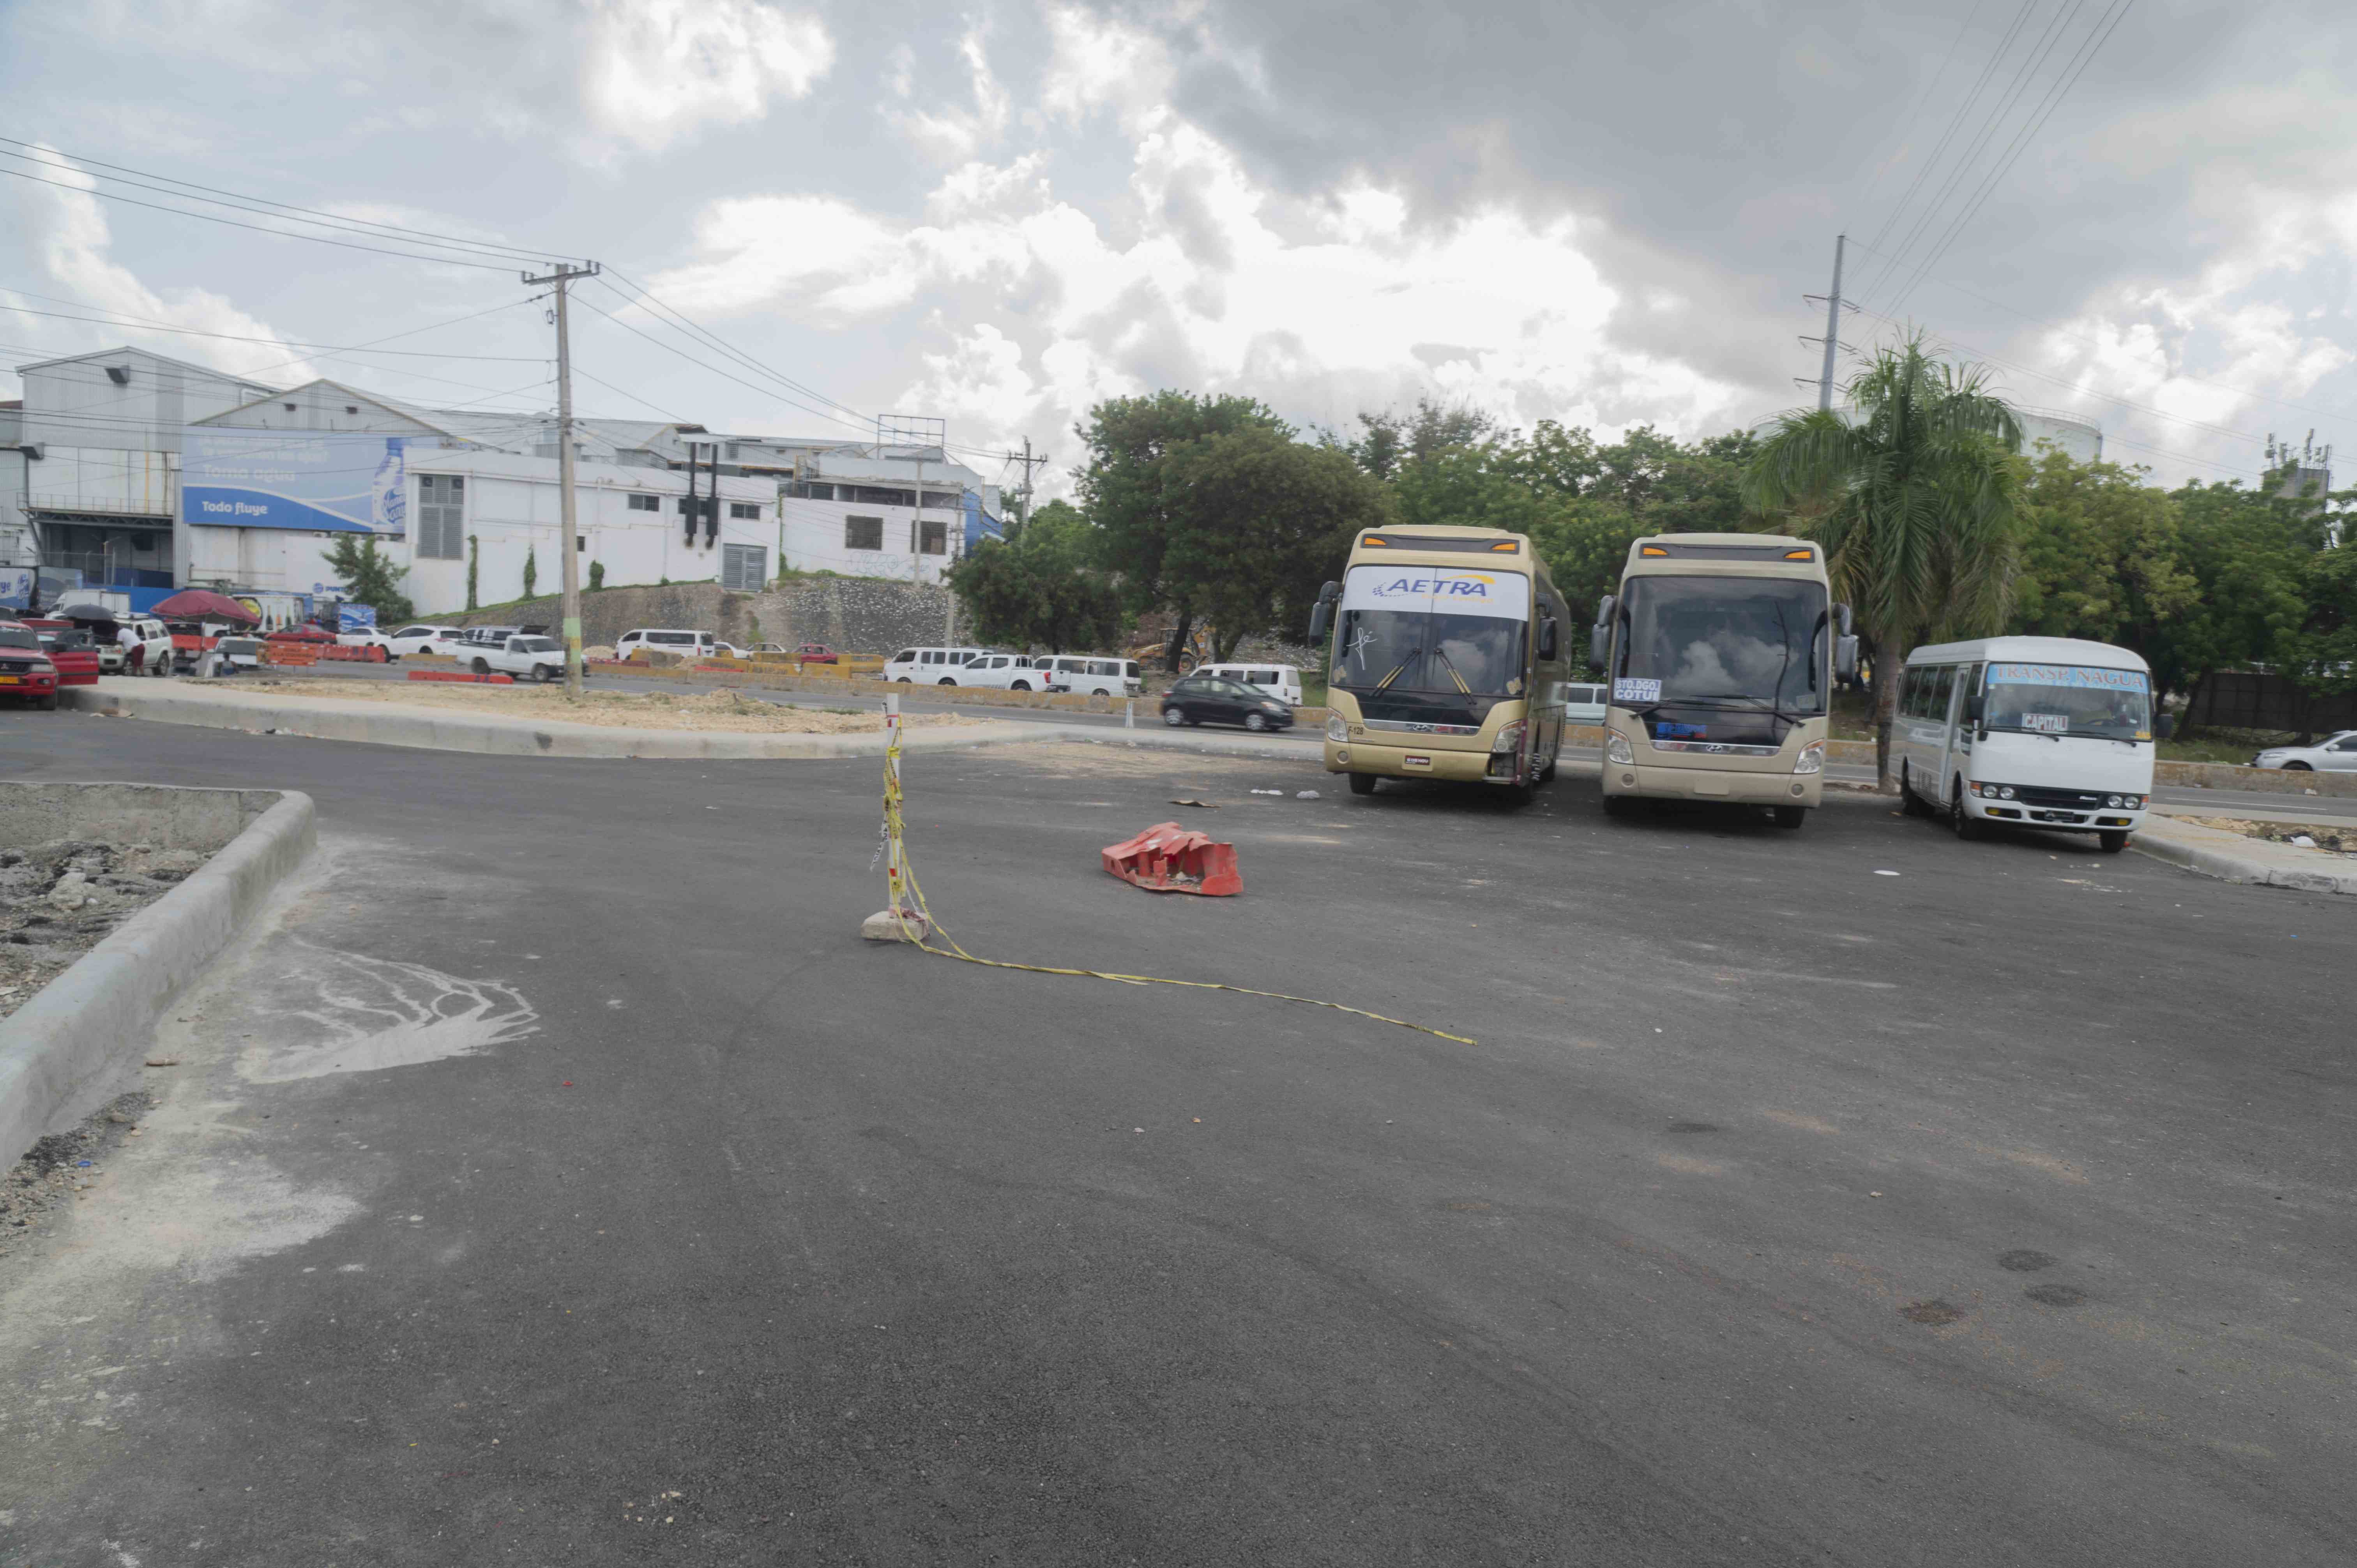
(900, 882)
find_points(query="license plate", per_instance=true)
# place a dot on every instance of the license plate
(1412, 760)
(11, 680)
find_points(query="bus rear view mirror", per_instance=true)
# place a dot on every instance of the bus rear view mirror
(1841, 614)
(1845, 652)
(1321, 615)
(1600, 640)
(1547, 637)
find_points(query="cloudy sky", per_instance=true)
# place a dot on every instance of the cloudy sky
(2141, 211)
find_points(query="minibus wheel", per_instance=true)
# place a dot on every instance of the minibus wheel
(1910, 801)
(1791, 816)
(1362, 783)
(2111, 841)
(1968, 826)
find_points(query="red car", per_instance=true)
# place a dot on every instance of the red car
(306, 633)
(74, 658)
(815, 653)
(26, 672)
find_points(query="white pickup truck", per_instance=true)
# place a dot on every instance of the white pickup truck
(525, 657)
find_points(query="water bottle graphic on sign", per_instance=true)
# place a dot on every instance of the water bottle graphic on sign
(389, 492)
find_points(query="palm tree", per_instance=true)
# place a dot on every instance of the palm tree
(1914, 496)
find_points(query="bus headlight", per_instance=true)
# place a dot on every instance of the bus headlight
(1812, 759)
(1338, 728)
(1509, 738)
(1618, 749)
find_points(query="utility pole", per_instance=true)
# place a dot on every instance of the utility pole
(1833, 328)
(569, 548)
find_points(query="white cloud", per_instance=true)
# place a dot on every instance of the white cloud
(657, 70)
(65, 232)
(947, 132)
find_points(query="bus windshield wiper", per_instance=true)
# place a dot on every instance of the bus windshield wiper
(1442, 654)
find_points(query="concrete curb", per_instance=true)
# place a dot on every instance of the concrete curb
(58, 1051)
(2231, 857)
(435, 729)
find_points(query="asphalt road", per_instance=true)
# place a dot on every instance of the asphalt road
(563, 1182)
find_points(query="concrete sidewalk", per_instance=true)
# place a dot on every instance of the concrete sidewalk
(449, 729)
(2233, 857)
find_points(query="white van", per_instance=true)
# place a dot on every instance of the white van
(1583, 704)
(1004, 672)
(657, 639)
(2046, 732)
(931, 666)
(1282, 681)
(1092, 673)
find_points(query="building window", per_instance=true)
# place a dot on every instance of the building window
(441, 517)
(804, 490)
(744, 567)
(871, 494)
(863, 533)
(703, 505)
(936, 540)
(743, 510)
(645, 503)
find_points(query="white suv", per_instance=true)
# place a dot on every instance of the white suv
(412, 639)
(1005, 672)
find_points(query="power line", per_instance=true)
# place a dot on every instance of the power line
(2065, 79)
(281, 342)
(1917, 106)
(259, 205)
(714, 369)
(646, 298)
(257, 228)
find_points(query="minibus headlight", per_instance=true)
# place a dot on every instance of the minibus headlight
(1812, 759)
(1510, 737)
(2112, 801)
(1338, 728)
(2005, 793)
(1618, 749)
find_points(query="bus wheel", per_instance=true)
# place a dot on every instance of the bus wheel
(1546, 774)
(1622, 806)
(1910, 801)
(1966, 825)
(2112, 840)
(1362, 783)
(1791, 816)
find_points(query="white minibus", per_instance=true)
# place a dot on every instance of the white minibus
(933, 666)
(2038, 732)
(1282, 681)
(1092, 674)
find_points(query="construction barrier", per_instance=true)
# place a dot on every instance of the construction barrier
(370, 654)
(290, 654)
(463, 676)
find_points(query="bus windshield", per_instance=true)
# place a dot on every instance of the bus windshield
(2069, 699)
(1722, 659)
(1430, 644)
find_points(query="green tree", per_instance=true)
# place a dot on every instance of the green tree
(1915, 500)
(1127, 490)
(531, 570)
(1040, 587)
(1265, 521)
(2327, 645)
(370, 577)
(2101, 558)
(596, 576)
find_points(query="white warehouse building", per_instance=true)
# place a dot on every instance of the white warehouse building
(129, 470)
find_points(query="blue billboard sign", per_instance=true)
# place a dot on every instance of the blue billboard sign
(313, 480)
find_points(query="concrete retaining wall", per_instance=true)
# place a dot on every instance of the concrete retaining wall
(61, 1051)
(854, 615)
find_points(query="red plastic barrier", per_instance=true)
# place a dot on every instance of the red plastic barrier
(462, 675)
(1167, 858)
(367, 654)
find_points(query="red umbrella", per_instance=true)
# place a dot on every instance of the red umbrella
(203, 603)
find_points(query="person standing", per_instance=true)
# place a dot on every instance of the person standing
(135, 649)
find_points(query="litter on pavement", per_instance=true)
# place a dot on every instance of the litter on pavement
(1167, 858)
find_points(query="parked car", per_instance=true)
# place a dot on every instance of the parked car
(1583, 704)
(155, 646)
(310, 632)
(1003, 673)
(371, 638)
(242, 652)
(667, 640)
(489, 636)
(1093, 674)
(1201, 699)
(69, 649)
(1278, 680)
(931, 666)
(427, 639)
(526, 658)
(25, 673)
(815, 653)
(2334, 754)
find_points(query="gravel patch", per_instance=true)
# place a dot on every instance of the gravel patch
(59, 900)
(2336, 838)
(61, 1167)
(723, 710)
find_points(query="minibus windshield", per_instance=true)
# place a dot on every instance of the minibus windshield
(2067, 700)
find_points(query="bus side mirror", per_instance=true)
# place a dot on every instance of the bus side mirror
(1975, 705)
(1841, 615)
(1546, 638)
(1321, 615)
(1845, 652)
(1599, 639)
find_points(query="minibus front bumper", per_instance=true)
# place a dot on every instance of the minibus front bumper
(2017, 814)
(1412, 762)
